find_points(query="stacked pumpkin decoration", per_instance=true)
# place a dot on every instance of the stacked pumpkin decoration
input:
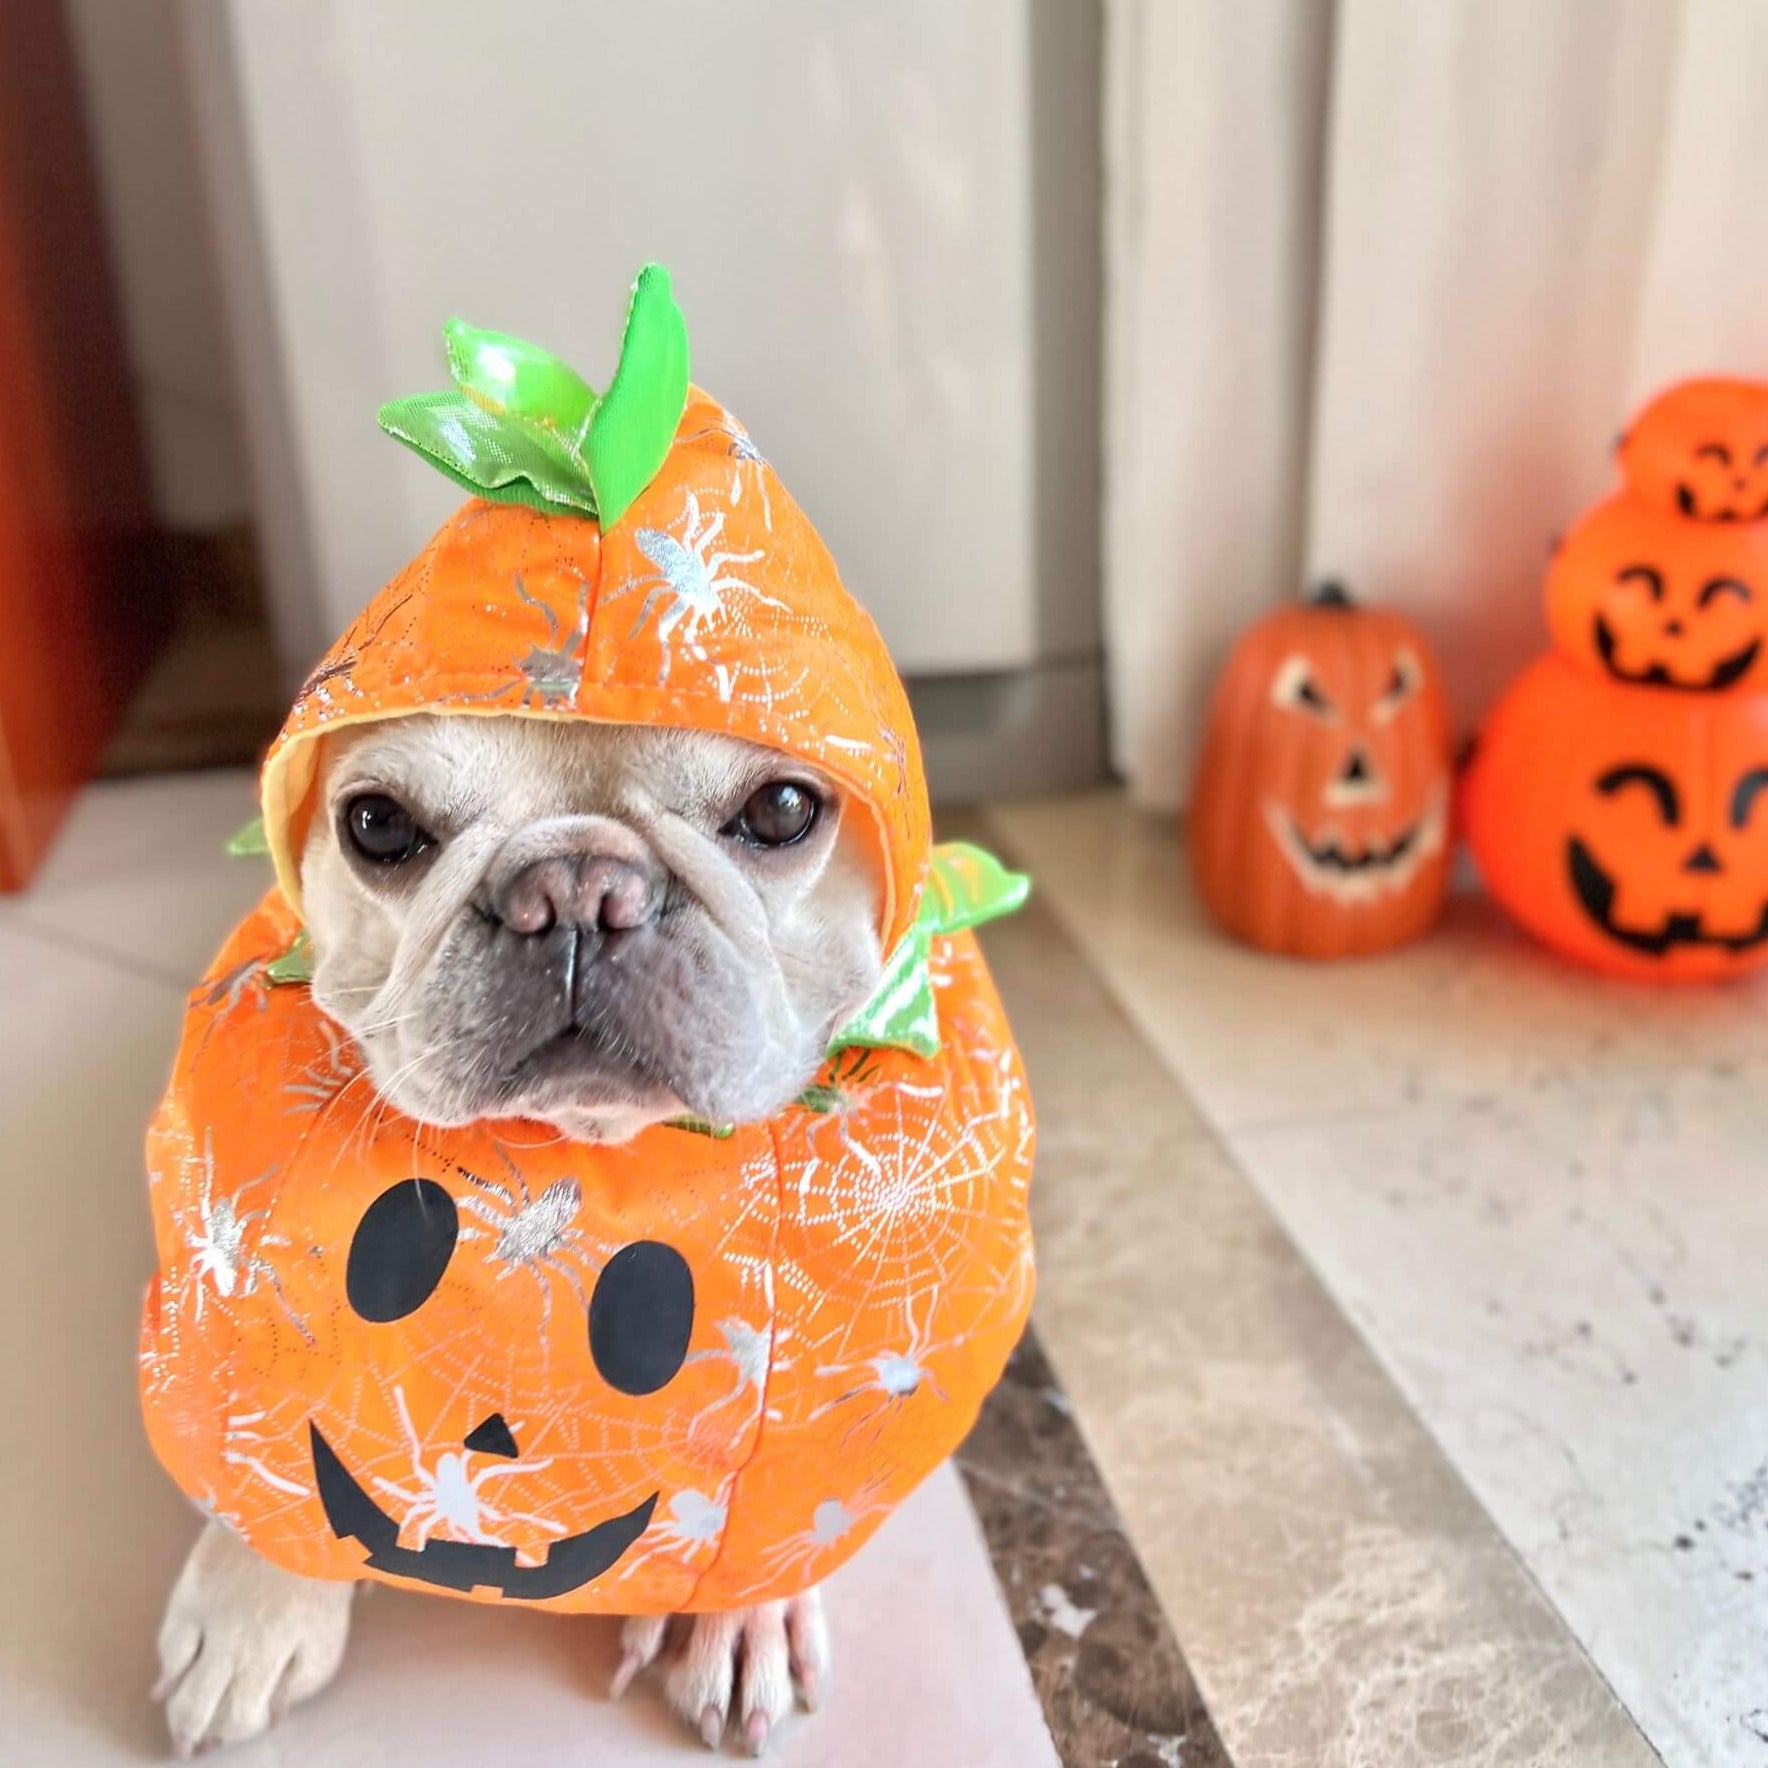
(1617, 797)
(1318, 823)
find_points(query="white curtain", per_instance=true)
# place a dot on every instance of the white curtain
(1382, 281)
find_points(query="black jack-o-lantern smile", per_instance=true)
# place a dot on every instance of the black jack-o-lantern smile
(641, 1317)
(1595, 888)
(1721, 488)
(1699, 450)
(1655, 601)
(468, 1565)
(1722, 674)
(1716, 592)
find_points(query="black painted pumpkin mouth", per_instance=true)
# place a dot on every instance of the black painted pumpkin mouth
(1331, 868)
(1595, 891)
(1723, 673)
(1689, 504)
(468, 1565)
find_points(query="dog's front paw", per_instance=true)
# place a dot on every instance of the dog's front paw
(741, 1667)
(243, 1641)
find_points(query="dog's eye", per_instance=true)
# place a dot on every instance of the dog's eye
(383, 830)
(780, 813)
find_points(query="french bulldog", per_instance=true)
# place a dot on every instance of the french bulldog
(598, 927)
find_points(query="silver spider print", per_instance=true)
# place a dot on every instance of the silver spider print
(896, 1375)
(740, 447)
(227, 990)
(830, 1523)
(321, 1082)
(529, 1233)
(752, 1352)
(450, 1498)
(691, 580)
(247, 979)
(245, 1445)
(552, 672)
(219, 1254)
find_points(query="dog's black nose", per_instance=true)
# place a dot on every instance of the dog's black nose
(594, 891)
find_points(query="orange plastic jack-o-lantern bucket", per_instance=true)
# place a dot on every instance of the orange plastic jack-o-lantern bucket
(1655, 600)
(1626, 827)
(1700, 450)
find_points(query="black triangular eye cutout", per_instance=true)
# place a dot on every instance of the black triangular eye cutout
(492, 1437)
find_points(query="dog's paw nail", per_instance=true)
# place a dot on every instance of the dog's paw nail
(630, 1665)
(712, 1728)
(810, 1690)
(755, 1734)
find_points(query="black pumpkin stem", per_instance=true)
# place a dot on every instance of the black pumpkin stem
(1329, 594)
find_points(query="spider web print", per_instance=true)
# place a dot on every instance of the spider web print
(905, 1259)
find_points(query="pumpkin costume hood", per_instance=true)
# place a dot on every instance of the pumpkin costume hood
(692, 1371)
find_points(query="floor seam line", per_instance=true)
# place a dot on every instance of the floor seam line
(45, 933)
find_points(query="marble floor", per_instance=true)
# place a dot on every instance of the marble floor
(1533, 1203)
(1398, 1392)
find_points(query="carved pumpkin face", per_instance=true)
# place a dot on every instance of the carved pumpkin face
(1656, 601)
(1700, 449)
(1626, 828)
(1317, 823)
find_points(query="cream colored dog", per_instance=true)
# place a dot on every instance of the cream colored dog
(599, 927)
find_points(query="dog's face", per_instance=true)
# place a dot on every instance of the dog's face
(597, 926)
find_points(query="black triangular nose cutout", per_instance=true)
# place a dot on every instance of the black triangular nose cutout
(1356, 770)
(1703, 859)
(492, 1437)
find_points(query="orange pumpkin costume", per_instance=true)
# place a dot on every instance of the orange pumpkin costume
(691, 1372)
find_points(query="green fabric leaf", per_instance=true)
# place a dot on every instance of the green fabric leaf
(701, 1126)
(248, 841)
(524, 427)
(901, 1014)
(967, 885)
(496, 456)
(295, 965)
(631, 430)
(821, 1099)
(505, 374)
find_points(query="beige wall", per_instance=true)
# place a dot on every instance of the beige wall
(846, 197)
(143, 139)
